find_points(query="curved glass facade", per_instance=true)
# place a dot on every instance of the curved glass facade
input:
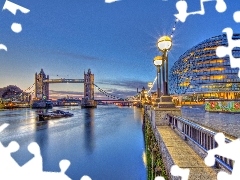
(200, 71)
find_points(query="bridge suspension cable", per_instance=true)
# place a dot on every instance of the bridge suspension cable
(25, 91)
(132, 97)
(29, 88)
(112, 96)
(107, 94)
(33, 91)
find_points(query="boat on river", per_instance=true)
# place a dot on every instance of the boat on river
(53, 115)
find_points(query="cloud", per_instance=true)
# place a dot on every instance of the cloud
(66, 92)
(128, 84)
(76, 55)
(120, 89)
(97, 94)
(60, 94)
(115, 93)
(111, 1)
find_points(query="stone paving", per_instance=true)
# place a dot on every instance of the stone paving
(184, 156)
(223, 122)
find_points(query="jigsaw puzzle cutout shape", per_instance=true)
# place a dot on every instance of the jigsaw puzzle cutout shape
(5, 156)
(228, 150)
(85, 178)
(12, 7)
(182, 7)
(182, 172)
(35, 164)
(16, 27)
(159, 178)
(33, 169)
(177, 171)
(3, 47)
(111, 1)
(236, 16)
(222, 51)
(3, 126)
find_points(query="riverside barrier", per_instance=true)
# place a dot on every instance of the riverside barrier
(199, 138)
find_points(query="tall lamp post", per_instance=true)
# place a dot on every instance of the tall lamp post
(158, 61)
(164, 44)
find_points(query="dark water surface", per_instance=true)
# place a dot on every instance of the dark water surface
(105, 143)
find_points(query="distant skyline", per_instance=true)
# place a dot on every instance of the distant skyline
(117, 41)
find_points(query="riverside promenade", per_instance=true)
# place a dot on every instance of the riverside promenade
(180, 148)
(177, 152)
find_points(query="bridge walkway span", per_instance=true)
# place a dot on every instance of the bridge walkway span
(63, 81)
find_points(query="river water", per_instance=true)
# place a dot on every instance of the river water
(105, 143)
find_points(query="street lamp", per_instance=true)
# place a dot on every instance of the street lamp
(164, 44)
(158, 61)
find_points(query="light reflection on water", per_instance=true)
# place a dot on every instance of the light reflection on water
(104, 143)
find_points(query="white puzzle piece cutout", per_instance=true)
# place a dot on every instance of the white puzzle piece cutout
(222, 51)
(228, 150)
(182, 7)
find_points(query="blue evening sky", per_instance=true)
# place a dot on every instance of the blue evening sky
(116, 41)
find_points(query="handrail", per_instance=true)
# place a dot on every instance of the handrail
(198, 126)
(201, 129)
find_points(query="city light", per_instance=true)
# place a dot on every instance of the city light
(164, 44)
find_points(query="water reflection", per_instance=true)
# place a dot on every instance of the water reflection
(42, 136)
(88, 119)
(40, 125)
(104, 143)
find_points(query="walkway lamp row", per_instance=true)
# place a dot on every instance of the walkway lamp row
(164, 44)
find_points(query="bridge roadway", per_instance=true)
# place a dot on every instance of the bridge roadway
(184, 156)
(117, 101)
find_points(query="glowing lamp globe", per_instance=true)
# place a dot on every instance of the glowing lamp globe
(164, 43)
(150, 84)
(158, 60)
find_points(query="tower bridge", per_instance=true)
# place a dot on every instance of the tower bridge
(63, 80)
(42, 82)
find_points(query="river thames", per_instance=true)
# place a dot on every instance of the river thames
(103, 143)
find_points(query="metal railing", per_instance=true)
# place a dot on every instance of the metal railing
(201, 136)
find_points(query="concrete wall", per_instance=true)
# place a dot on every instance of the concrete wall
(166, 157)
(158, 115)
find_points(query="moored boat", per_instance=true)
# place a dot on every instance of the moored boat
(53, 115)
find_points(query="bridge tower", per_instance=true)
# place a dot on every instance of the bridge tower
(88, 99)
(41, 87)
(88, 85)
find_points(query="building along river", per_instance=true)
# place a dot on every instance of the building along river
(103, 143)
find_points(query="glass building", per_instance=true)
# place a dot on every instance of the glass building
(199, 73)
